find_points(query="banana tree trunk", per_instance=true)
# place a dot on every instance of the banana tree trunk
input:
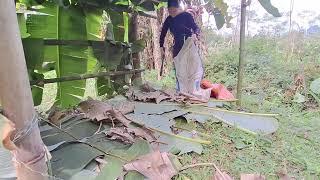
(16, 98)
(242, 51)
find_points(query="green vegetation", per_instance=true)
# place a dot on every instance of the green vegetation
(269, 80)
(294, 147)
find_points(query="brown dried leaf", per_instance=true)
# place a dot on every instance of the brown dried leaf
(252, 177)
(126, 107)
(155, 165)
(147, 88)
(95, 109)
(120, 134)
(98, 110)
(119, 116)
(143, 133)
(161, 97)
(56, 115)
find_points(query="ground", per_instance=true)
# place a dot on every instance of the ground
(294, 148)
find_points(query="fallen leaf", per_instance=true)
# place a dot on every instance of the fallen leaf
(99, 111)
(95, 109)
(143, 133)
(161, 97)
(126, 107)
(155, 165)
(252, 177)
(55, 115)
(147, 88)
(120, 134)
(119, 116)
(149, 108)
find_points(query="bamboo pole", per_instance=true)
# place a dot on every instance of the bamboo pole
(83, 76)
(241, 51)
(16, 98)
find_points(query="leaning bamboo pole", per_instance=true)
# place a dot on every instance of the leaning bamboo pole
(16, 98)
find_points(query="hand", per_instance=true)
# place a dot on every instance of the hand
(194, 37)
(195, 40)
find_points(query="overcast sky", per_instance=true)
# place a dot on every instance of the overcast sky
(283, 6)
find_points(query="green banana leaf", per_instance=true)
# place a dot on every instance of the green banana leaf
(266, 4)
(22, 25)
(93, 23)
(64, 24)
(114, 168)
(33, 51)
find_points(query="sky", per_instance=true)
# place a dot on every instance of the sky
(283, 6)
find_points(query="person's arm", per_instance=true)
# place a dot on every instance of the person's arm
(164, 31)
(193, 25)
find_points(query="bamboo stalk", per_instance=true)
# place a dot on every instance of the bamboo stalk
(58, 42)
(16, 98)
(83, 76)
(241, 51)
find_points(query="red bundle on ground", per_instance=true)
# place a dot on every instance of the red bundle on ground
(218, 91)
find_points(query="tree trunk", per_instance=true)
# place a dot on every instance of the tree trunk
(134, 35)
(242, 51)
(16, 98)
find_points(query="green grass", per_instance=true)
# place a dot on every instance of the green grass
(294, 147)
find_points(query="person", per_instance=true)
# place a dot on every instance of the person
(182, 26)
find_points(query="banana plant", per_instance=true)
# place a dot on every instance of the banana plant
(68, 23)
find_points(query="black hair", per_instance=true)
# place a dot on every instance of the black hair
(173, 3)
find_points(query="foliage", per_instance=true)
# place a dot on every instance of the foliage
(219, 9)
(72, 23)
(268, 77)
(315, 86)
(82, 20)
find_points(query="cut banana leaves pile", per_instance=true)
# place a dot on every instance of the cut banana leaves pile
(123, 139)
(113, 139)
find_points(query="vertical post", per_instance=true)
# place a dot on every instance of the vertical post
(16, 98)
(134, 35)
(241, 51)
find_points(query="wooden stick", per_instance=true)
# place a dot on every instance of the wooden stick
(57, 42)
(84, 76)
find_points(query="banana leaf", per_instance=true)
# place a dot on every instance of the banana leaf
(22, 25)
(266, 4)
(249, 122)
(33, 51)
(64, 24)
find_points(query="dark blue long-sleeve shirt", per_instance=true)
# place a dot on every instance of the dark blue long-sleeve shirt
(181, 26)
